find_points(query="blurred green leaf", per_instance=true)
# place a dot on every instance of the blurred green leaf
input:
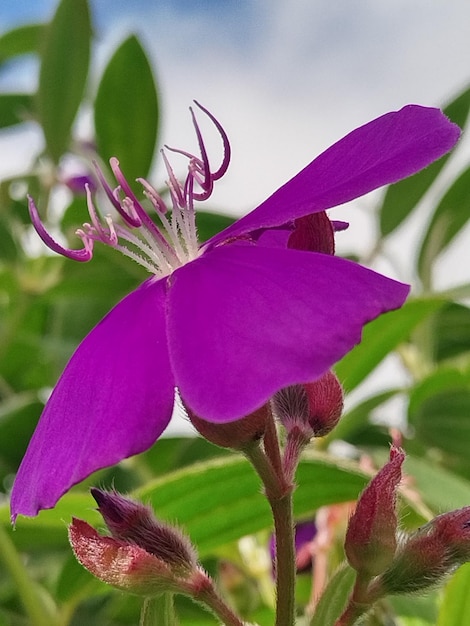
(450, 216)
(334, 598)
(209, 224)
(455, 607)
(14, 108)
(75, 581)
(380, 337)
(452, 331)
(21, 40)
(415, 610)
(18, 418)
(127, 111)
(402, 197)
(8, 247)
(440, 489)
(64, 67)
(216, 502)
(442, 380)
(443, 421)
(356, 419)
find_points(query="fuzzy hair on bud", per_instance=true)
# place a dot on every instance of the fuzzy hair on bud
(134, 522)
(123, 565)
(429, 554)
(371, 537)
(314, 408)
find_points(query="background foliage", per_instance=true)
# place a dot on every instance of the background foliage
(48, 304)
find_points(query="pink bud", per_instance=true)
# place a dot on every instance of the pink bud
(123, 565)
(313, 408)
(236, 435)
(133, 522)
(430, 553)
(371, 537)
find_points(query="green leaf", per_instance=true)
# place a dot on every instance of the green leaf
(443, 421)
(64, 68)
(380, 337)
(402, 197)
(334, 598)
(21, 40)
(442, 380)
(209, 224)
(14, 108)
(127, 110)
(215, 502)
(452, 331)
(440, 489)
(450, 216)
(219, 501)
(358, 418)
(455, 607)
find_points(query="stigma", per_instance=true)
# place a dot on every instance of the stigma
(160, 242)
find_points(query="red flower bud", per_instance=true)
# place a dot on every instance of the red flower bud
(236, 435)
(314, 408)
(430, 553)
(123, 565)
(135, 523)
(371, 537)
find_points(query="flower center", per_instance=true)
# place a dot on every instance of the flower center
(161, 245)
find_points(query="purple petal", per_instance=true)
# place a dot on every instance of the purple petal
(263, 318)
(113, 400)
(383, 151)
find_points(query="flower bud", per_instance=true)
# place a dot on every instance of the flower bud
(313, 233)
(430, 553)
(135, 523)
(236, 435)
(371, 537)
(314, 408)
(123, 565)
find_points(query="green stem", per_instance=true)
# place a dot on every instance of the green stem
(158, 611)
(26, 588)
(279, 494)
(285, 560)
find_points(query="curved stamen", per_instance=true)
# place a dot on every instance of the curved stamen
(83, 255)
(226, 144)
(131, 220)
(160, 248)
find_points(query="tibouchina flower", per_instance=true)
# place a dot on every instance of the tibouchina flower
(227, 323)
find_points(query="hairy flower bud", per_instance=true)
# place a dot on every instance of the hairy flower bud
(314, 408)
(371, 537)
(236, 435)
(133, 522)
(123, 565)
(430, 553)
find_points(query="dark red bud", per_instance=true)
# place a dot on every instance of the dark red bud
(236, 435)
(371, 537)
(314, 408)
(430, 553)
(133, 522)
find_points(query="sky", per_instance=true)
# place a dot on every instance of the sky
(286, 79)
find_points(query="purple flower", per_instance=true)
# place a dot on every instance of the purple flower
(227, 323)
